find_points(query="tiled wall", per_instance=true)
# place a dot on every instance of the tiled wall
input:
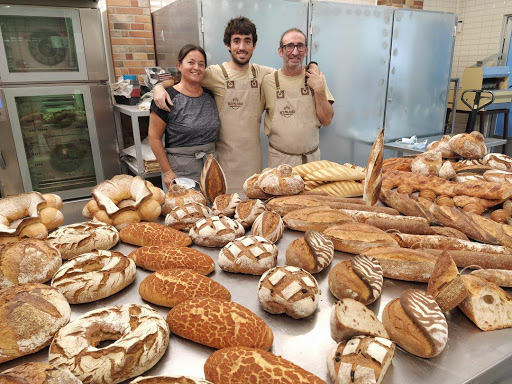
(410, 4)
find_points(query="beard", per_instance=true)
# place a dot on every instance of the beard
(239, 62)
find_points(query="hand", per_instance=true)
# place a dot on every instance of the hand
(161, 98)
(169, 176)
(314, 67)
(315, 79)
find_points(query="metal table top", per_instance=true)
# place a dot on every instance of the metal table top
(471, 355)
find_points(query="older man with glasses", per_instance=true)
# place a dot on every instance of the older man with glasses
(297, 103)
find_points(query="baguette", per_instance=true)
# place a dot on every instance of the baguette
(287, 204)
(362, 216)
(373, 179)
(358, 237)
(402, 226)
(449, 232)
(472, 259)
(317, 219)
(500, 277)
(407, 206)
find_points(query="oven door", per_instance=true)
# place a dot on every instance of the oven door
(41, 44)
(55, 139)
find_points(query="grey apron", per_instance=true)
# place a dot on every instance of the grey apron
(189, 161)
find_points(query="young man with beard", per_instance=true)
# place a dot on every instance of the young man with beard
(297, 103)
(236, 88)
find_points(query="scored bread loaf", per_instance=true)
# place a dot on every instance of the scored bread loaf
(341, 189)
(470, 146)
(281, 181)
(159, 257)
(416, 323)
(288, 290)
(144, 234)
(226, 204)
(317, 219)
(37, 373)
(373, 178)
(449, 232)
(407, 206)
(28, 261)
(213, 180)
(498, 161)
(313, 253)
(428, 163)
(287, 204)
(252, 255)
(351, 318)
(335, 173)
(403, 226)
(475, 259)
(358, 237)
(403, 264)
(500, 277)
(94, 276)
(268, 225)
(184, 216)
(443, 147)
(360, 360)
(30, 315)
(248, 210)
(216, 231)
(487, 305)
(75, 239)
(313, 166)
(252, 188)
(169, 287)
(359, 278)
(179, 195)
(235, 325)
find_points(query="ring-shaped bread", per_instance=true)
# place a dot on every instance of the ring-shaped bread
(141, 337)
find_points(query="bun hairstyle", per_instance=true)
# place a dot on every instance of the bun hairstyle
(240, 25)
(184, 51)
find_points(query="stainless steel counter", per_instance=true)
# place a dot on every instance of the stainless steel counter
(470, 356)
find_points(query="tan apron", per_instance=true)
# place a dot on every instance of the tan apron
(294, 130)
(239, 145)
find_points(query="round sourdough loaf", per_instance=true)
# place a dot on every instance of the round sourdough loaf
(314, 252)
(498, 161)
(157, 257)
(226, 204)
(234, 325)
(252, 255)
(415, 322)
(282, 180)
(443, 147)
(169, 287)
(359, 278)
(248, 210)
(169, 380)
(250, 365)
(144, 234)
(429, 163)
(30, 315)
(37, 373)
(216, 231)
(268, 225)
(28, 261)
(75, 239)
(288, 290)
(184, 216)
(252, 188)
(94, 276)
(470, 146)
(179, 195)
(141, 337)
(361, 359)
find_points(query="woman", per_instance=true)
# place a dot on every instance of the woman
(192, 125)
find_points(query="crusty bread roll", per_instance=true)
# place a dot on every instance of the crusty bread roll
(141, 337)
(213, 180)
(235, 325)
(216, 231)
(226, 204)
(317, 219)
(37, 373)
(358, 237)
(351, 318)
(498, 161)
(252, 255)
(397, 164)
(28, 261)
(30, 315)
(179, 195)
(359, 278)
(500, 216)
(94, 276)
(470, 146)
(443, 147)
(53, 200)
(250, 365)
(169, 287)
(428, 163)
(51, 217)
(268, 225)
(416, 323)
(144, 234)
(446, 171)
(75, 239)
(184, 216)
(373, 179)
(487, 305)
(313, 166)
(248, 210)
(500, 277)
(360, 360)
(289, 290)
(169, 380)
(252, 188)
(281, 181)
(313, 253)
(155, 258)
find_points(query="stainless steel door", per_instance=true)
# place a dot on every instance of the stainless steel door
(55, 138)
(351, 44)
(419, 75)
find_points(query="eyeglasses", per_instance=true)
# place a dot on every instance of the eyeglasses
(288, 48)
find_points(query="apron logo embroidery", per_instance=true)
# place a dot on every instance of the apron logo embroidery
(280, 94)
(304, 91)
(235, 103)
(287, 111)
(254, 83)
(231, 84)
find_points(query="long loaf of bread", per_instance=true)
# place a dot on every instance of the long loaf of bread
(373, 179)
(407, 206)
(471, 259)
(362, 216)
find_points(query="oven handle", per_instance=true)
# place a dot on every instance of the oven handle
(2, 161)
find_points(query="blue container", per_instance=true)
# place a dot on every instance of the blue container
(129, 77)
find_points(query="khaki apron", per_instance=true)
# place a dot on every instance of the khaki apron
(294, 130)
(239, 145)
(189, 161)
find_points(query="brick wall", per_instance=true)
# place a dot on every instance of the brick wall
(131, 36)
(411, 4)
